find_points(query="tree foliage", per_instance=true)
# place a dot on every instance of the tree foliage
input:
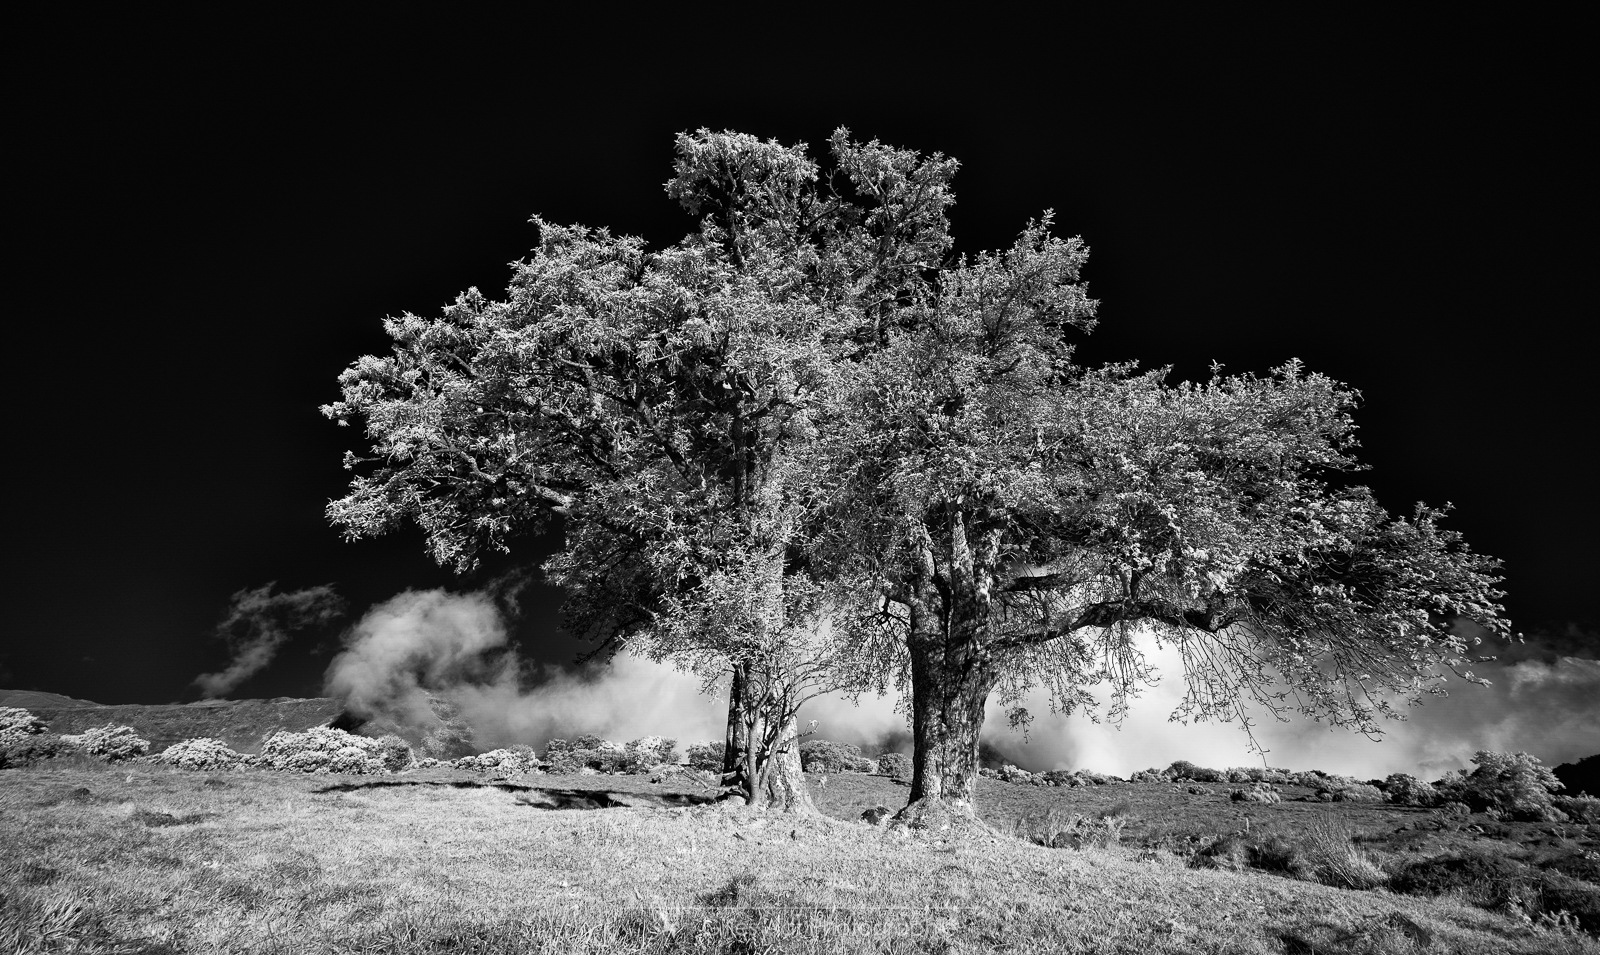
(802, 446)
(661, 406)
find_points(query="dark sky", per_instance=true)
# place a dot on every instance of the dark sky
(210, 219)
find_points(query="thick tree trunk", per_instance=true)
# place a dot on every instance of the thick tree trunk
(778, 783)
(949, 687)
(783, 783)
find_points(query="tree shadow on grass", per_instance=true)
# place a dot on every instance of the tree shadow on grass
(440, 784)
(600, 799)
(541, 798)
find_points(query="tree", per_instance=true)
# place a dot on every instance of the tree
(1026, 519)
(659, 409)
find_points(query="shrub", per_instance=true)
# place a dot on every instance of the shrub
(556, 746)
(25, 749)
(110, 742)
(1260, 792)
(587, 741)
(517, 759)
(651, 751)
(1406, 790)
(1016, 774)
(321, 749)
(1494, 881)
(1358, 792)
(706, 757)
(1583, 808)
(1322, 852)
(1343, 789)
(16, 720)
(1514, 784)
(563, 763)
(1269, 853)
(394, 753)
(826, 756)
(1183, 769)
(1451, 787)
(1082, 832)
(896, 765)
(202, 753)
(23, 740)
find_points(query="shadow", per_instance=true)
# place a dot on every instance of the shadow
(601, 799)
(537, 797)
(440, 784)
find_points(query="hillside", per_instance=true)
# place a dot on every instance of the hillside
(37, 699)
(239, 723)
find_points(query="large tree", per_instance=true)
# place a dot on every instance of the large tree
(659, 408)
(1031, 521)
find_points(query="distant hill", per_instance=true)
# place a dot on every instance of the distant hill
(28, 699)
(239, 723)
(1580, 777)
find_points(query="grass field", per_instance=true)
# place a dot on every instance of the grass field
(146, 859)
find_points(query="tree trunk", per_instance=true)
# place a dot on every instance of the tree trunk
(950, 683)
(735, 743)
(777, 783)
(783, 783)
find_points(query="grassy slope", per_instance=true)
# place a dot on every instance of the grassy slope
(252, 862)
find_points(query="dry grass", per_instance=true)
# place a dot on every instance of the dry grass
(150, 859)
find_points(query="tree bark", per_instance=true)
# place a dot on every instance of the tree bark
(779, 783)
(949, 686)
(734, 744)
(783, 783)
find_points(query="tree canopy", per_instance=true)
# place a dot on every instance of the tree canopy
(804, 446)
(660, 405)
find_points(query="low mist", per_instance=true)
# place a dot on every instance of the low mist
(456, 647)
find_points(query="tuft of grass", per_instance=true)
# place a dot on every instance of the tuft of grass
(1330, 854)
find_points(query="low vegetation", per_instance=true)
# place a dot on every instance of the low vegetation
(197, 848)
(151, 858)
